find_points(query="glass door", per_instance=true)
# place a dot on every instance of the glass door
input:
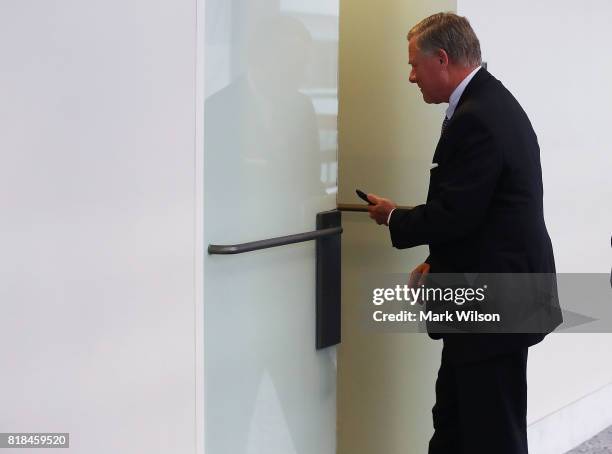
(270, 165)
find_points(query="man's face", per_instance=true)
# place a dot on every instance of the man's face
(428, 73)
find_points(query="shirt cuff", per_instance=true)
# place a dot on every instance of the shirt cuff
(389, 217)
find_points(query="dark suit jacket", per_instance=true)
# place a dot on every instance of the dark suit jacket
(484, 210)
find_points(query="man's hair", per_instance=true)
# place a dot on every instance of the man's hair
(450, 32)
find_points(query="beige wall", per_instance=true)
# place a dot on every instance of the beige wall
(387, 136)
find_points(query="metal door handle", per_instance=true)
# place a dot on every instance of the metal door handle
(272, 242)
(328, 271)
(362, 207)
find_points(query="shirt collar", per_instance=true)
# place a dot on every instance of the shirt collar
(457, 92)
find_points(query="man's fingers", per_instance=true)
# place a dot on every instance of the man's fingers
(376, 214)
(412, 279)
(418, 276)
(423, 279)
(373, 198)
(424, 273)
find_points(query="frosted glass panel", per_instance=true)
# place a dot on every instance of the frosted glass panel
(270, 166)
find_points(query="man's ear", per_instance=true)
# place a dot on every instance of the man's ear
(442, 57)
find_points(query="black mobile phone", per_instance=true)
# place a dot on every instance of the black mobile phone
(363, 196)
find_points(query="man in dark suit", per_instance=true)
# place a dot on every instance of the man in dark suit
(483, 214)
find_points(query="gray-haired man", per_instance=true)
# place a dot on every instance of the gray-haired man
(483, 215)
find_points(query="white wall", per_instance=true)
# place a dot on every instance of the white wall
(97, 231)
(553, 55)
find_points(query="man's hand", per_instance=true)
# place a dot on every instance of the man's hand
(418, 277)
(381, 208)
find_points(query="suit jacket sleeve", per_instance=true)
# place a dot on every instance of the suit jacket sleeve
(461, 189)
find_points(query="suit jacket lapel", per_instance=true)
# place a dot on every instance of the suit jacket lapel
(479, 79)
(442, 148)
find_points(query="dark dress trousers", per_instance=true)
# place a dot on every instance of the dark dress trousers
(484, 214)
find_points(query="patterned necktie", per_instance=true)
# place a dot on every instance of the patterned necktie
(444, 123)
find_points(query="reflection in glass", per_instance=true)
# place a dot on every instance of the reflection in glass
(270, 166)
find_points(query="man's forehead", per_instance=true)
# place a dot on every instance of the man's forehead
(412, 49)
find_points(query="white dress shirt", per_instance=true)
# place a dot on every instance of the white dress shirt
(457, 92)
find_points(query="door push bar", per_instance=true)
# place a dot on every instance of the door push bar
(360, 207)
(224, 249)
(328, 271)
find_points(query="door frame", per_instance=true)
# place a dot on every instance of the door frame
(198, 232)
